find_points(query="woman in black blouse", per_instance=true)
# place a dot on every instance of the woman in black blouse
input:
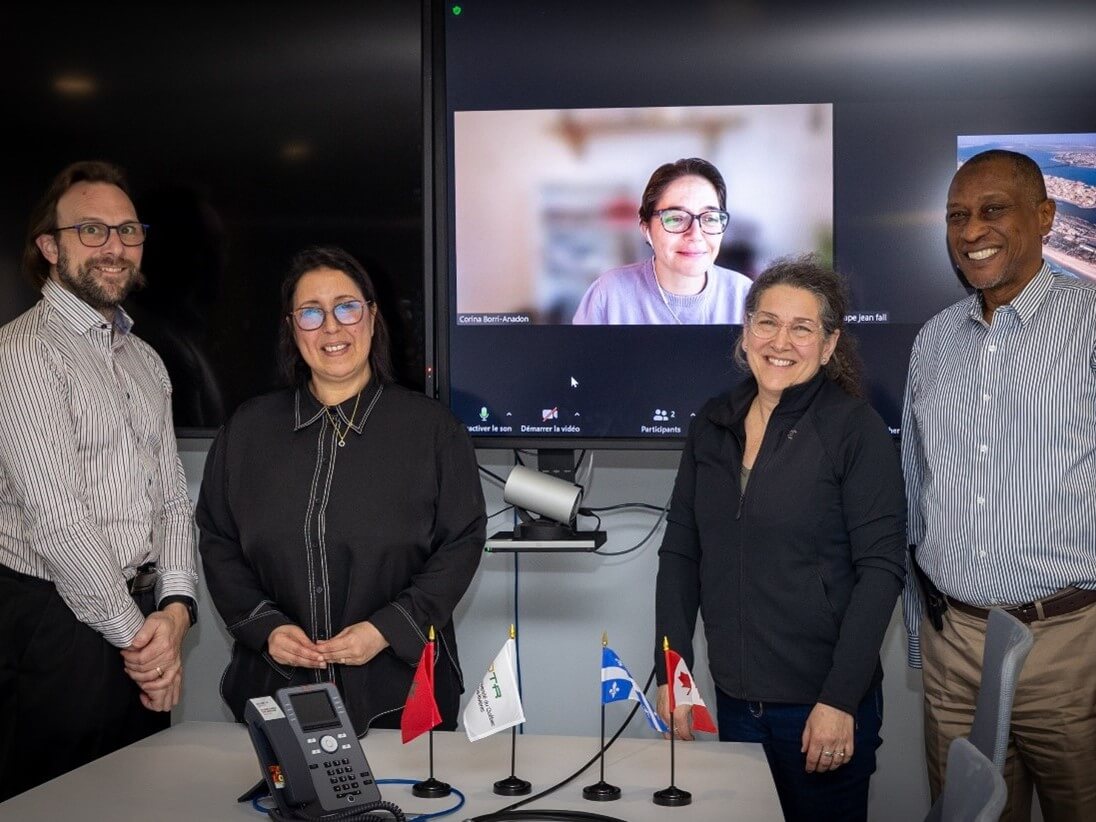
(342, 516)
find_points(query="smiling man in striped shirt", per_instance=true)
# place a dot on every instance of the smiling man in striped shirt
(999, 454)
(97, 565)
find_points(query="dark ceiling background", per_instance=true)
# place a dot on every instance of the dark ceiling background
(248, 132)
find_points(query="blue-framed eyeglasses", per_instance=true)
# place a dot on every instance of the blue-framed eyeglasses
(312, 317)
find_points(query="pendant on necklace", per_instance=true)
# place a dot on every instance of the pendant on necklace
(342, 443)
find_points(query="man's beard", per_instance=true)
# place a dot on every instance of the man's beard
(98, 294)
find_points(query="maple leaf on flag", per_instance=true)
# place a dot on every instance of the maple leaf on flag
(683, 692)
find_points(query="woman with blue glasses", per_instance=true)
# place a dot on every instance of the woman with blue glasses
(341, 517)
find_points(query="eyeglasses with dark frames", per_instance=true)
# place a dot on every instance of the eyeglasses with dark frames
(312, 317)
(96, 235)
(678, 220)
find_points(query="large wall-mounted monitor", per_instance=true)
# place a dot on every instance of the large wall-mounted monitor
(836, 131)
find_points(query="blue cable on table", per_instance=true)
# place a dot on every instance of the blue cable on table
(423, 816)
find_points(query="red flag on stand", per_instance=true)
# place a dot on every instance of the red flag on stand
(683, 690)
(420, 712)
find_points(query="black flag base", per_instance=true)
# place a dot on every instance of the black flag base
(601, 792)
(672, 797)
(431, 789)
(513, 786)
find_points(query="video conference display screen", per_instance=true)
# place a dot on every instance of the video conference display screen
(837, 134)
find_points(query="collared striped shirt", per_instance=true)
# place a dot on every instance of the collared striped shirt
(999, 448)
(91, 485)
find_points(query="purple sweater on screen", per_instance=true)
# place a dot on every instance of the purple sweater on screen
(630, 295)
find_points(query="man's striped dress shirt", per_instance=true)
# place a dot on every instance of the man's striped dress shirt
(999, 448)
(91, 485)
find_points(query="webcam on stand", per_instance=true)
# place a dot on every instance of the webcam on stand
(555, 502)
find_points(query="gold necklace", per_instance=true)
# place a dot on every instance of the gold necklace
(334, 423)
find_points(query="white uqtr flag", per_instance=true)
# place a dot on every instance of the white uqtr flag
(496, 703)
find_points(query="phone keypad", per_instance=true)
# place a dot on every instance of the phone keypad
(345, 782)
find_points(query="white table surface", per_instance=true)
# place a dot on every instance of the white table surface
(196, 771)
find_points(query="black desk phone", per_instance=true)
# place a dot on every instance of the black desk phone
(309, 754)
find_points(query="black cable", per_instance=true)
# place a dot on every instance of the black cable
(544, 816)
(493, 475)
(507, 813)
(364, 813)
(589, 513)
(620, 505)
(578, 466)
(595, 513)
(500, 511)
(643, 541)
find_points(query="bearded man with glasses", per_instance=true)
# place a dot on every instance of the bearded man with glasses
(683, 217)
(97, 568)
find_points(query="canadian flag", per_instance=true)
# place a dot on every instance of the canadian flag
(683, 691)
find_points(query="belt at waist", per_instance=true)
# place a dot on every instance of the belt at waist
(144, 580)
(1065, 601)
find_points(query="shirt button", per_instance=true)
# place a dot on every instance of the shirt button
(319, 589)
(991, 348)
(981, 553)
(985, 397)
(984, 448)
(981, 500)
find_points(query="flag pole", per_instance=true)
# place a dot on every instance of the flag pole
(431, 788)
(672, 796)
(602, 791)
(513, 785)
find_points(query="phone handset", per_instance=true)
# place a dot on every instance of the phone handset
(309, 754)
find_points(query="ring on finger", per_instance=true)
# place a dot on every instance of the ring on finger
(159, 672)
(827, 753)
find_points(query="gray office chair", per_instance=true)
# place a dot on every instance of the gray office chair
(1008, 642)
(975, 789)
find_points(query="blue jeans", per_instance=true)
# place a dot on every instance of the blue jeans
(838, 795)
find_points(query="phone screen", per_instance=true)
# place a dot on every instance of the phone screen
(314, 710)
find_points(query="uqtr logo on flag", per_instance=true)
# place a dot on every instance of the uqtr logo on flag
(496, 703)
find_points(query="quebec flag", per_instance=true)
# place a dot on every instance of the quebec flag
(617, 683)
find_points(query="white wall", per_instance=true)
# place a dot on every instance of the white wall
(565, 601)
